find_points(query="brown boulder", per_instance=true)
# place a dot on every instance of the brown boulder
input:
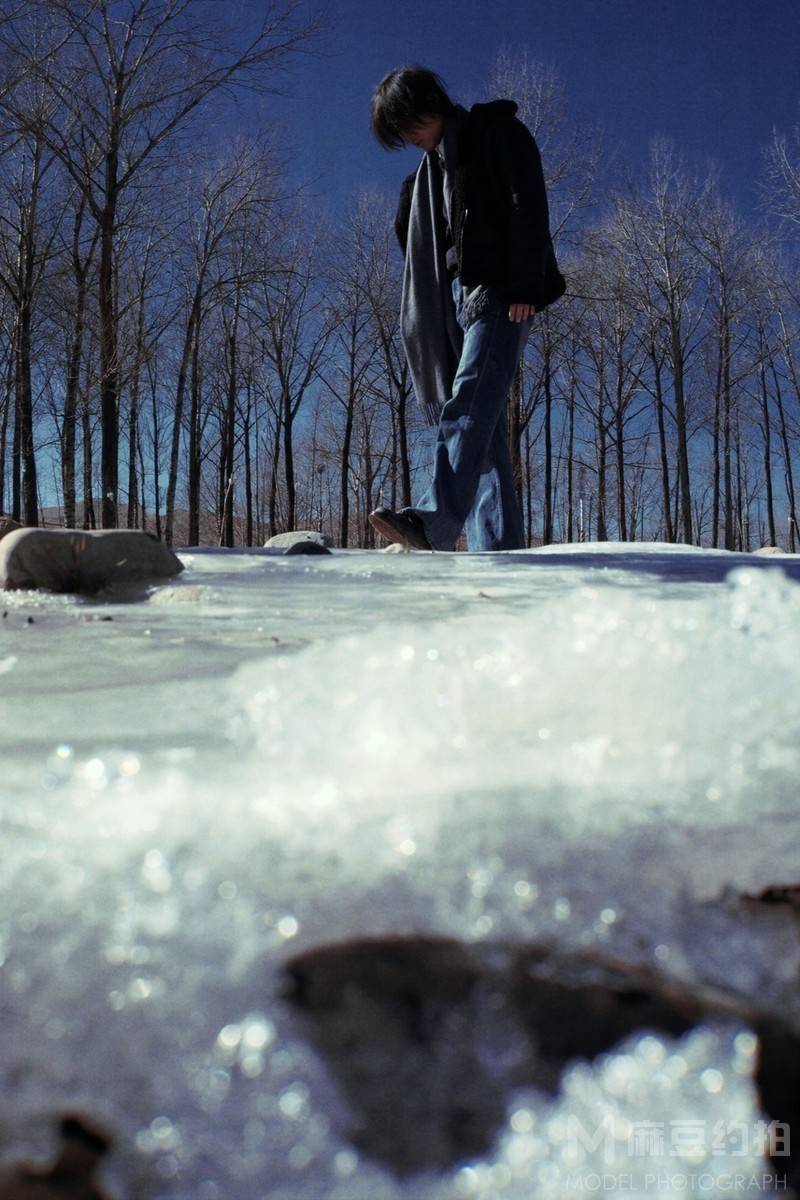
(74, 560)
(71, 1175)
(396, 1019)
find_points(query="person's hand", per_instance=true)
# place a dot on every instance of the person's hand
(520, 312)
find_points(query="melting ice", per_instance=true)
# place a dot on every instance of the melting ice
(586, 746)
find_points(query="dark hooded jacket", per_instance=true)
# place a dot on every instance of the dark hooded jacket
(500, 218)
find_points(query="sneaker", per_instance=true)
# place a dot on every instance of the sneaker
(403, 527)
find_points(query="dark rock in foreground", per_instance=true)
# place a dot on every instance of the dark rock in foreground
(306, 547)
(777, 895)
(402, 1023)
(71, 1175)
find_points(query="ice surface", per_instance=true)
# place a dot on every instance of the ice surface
(594, 745)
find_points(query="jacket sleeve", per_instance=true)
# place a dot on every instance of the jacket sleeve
(403, 214)
(519, 168)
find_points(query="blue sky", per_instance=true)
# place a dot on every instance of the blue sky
(715, 75)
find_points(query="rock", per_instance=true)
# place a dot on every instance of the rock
(306, 548)
(395, 548)
(7, 524)
(395, 1019)
(73, 560)
(767, 550)
(776, 895)
(388, 1015)
(70, 1177)
(386, 968)
(579, 1004)
(283, 541)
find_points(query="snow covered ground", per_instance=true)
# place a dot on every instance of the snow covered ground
(587, 745)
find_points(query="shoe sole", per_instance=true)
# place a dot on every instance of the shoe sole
(390, 534)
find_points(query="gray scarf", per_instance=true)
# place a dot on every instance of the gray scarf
(431, 334)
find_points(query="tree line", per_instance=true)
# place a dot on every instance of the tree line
(189, 345)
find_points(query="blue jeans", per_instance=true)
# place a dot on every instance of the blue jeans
(472, 483)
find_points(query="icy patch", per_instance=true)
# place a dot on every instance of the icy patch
(181, 594)
(490, 748)
(656, 1116)
(622, 707)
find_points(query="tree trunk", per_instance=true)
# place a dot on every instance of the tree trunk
(89, 518)
(548, 441)
(231, 429)
(133, 414)
(570, 461)
(344, 488)
(133, 484)
(405, 457)
(602, 531)
(273, 478)
(767, 436)
(514, 413)
(715, 490)
(195, 443)
(4, 410)
(528, 487)
(71, 410)
(143, 491)
(30, 495)
(80, 271)
(619, 441)
(288, 457)
(9, 406)
(666, 485)
(156, 460)
(794, 529)
(177, 420)
(248, 474)
(109, 368)
(738, 530)
(727, 440)
(222, 476)
(16, 455)
(367, 533)
(684, 487)
(619, 424)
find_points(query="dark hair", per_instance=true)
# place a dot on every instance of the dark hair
(402, 99)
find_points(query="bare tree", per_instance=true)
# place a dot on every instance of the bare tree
(666, 272)
(570, 149)
(781, 187)
(126, 81)
(212, 226)
(380, 263)
(355, 349)
(82, 253)
(726, 248)
(297, 329)
(26, 244)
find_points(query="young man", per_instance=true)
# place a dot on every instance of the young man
(473, 223)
